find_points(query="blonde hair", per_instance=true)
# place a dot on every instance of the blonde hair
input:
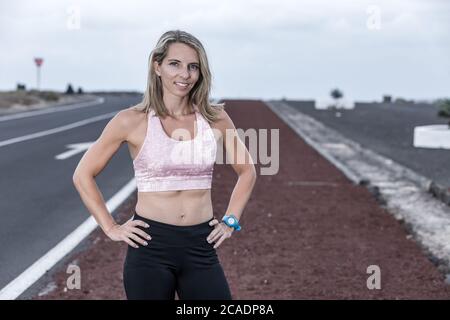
(199, 94)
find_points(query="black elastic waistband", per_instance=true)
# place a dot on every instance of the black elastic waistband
(172, 226)
(170, 234)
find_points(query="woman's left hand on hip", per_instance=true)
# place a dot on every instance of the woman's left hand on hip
(221, 232)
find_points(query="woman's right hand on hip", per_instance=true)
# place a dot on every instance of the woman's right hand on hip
(128, 232)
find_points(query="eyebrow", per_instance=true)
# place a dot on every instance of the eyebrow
(180, 61)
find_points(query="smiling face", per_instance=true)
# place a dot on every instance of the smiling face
(179, 70)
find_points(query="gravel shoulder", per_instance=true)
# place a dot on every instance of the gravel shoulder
(19, 101)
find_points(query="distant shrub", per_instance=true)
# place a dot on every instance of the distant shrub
(444, 108)
(387, 99)
(336, 94)
(69, 89)
(21, 87)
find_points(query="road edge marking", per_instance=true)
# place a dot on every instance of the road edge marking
(34, 272)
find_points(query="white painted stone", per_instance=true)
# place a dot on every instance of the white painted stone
(433, 136)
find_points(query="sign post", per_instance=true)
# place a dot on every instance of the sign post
(38, 62)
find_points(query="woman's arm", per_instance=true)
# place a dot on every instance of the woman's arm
(90, 165)
(241, 193)
(242, 163)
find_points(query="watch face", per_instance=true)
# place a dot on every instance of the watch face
(230, 220)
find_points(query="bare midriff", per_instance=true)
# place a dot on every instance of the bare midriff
(181, 207)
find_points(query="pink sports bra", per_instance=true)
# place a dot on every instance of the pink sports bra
(164, 164)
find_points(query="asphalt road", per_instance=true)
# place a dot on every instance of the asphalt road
(39, 205)
(389, 129)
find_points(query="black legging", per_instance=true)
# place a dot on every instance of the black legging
(177, 258)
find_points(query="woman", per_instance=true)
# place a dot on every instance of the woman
(172, 137)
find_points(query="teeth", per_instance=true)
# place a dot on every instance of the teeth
(182, 84)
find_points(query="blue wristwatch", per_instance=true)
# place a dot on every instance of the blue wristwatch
(231, 221)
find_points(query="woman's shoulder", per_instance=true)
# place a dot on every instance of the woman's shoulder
(222, 119)
(136, 109)
(131, 117)
(133, 111)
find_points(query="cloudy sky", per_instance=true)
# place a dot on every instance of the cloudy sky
(257, 49)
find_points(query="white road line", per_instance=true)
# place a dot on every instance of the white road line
(58, 129)
(16, 287)
(63, 128)
(27, 114)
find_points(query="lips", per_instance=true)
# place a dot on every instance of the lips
(182, 84)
